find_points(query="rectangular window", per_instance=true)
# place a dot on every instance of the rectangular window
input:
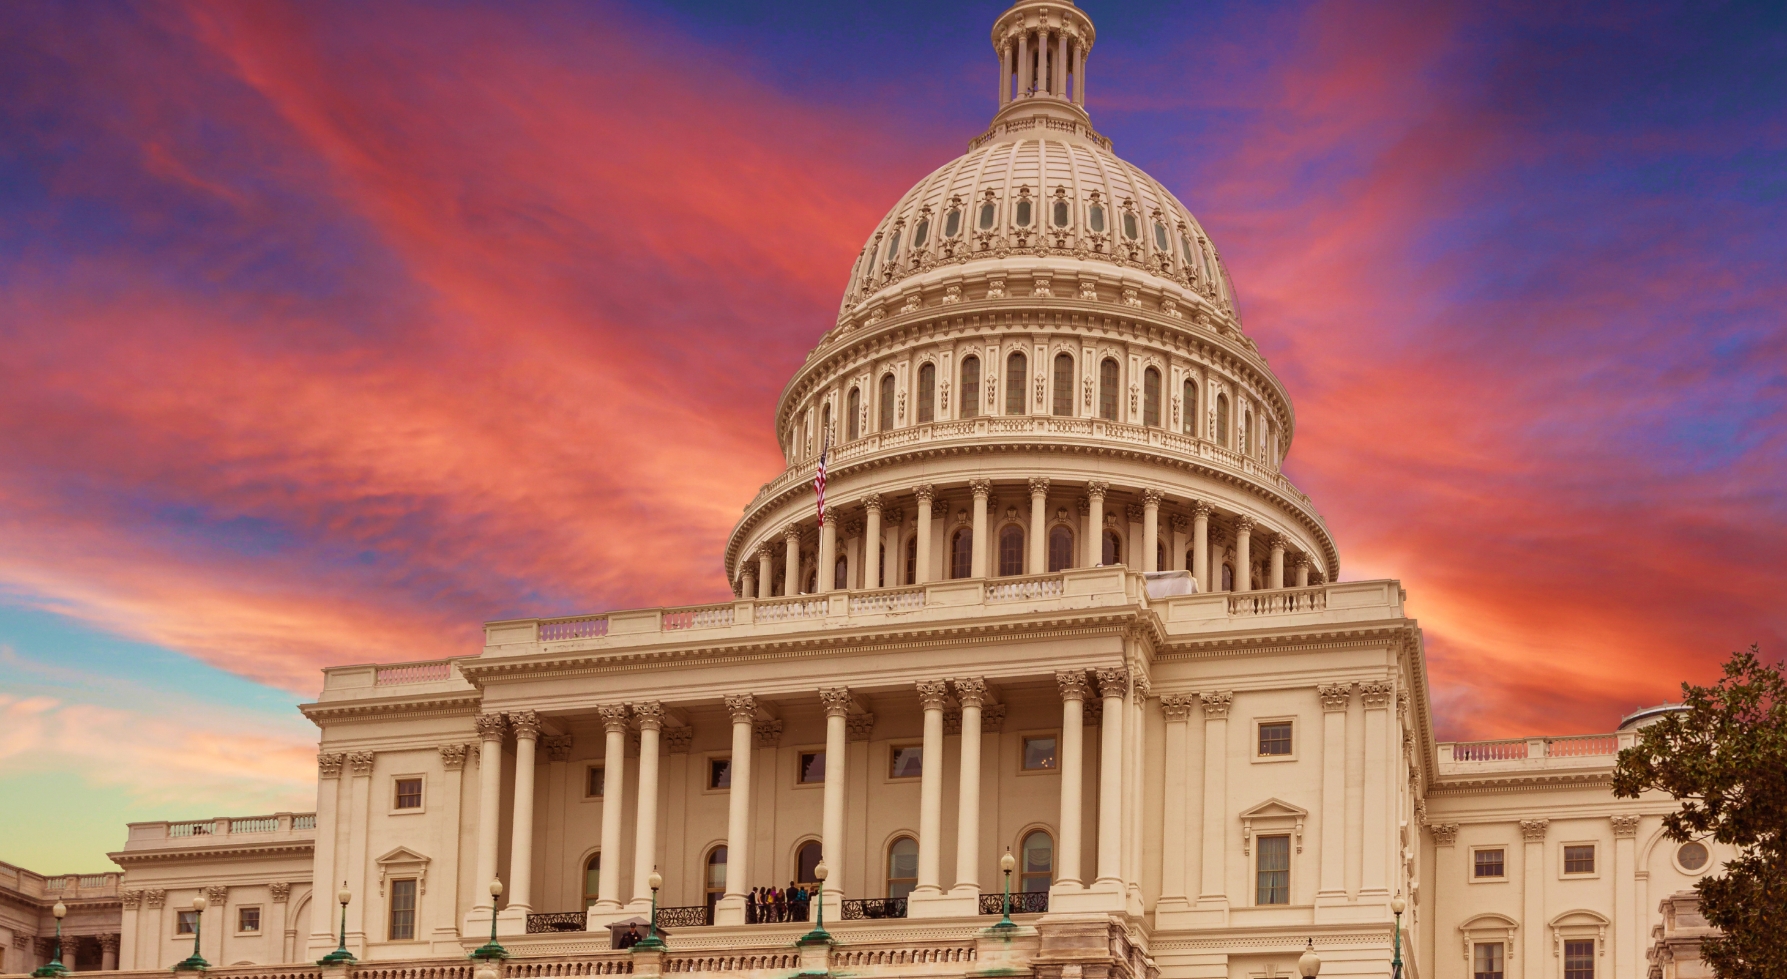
(1275, 738)
(1039, 754)
(593, 779)
(248, 919)
(403, 910)
(1579, 859)
(719, 773)
(907, 762)
(812, 767)
(409, 793)
(1488, 864)
(1274, 870)
(186, 922)
(1487, 960)
(1579, 959)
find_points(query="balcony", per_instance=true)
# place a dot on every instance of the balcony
(220, 831)
(1516, 755)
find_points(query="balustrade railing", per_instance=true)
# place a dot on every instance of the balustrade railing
(196, 828)
(95, 880)
(258, 824)
(790, 611)
(617, 963)
(556, 921)
(304, 821)
(1023, 589)
(413, 673)
(698, 916)
(1489, 750)
(1278, 600)
(1582, 745)
(874, 907)
(1022, 902)
(710, 617)
(582, 627)
(902, 600)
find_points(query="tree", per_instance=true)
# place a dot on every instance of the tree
(1725, 758)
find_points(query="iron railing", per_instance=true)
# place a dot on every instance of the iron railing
(691, 917)
(542, 924)
(1022, 902)
(769, 914)
(874, 907)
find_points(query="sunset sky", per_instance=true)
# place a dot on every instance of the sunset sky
(332, 330)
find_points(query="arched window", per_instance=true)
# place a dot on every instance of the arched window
(1063, 384)
(1191, 560)
(952, 222)
(881, 565)
(1060, 214)
(1160, 556)
(1014, 383)
(1060, 548)
(1185, 248)
(912, 560)
(1036, 867)
(1160, 239)
(840, 577)
(1095, 217)
(1011, 550)
(1113, 548)
(714, 881)
(852, 427)
(927, 393)
(592, 880)
(1189, 410)
(887, 402)
(1228, 576)
(986, 216)
(825, 423)
(969, 399)
(805, 859)
(902, 867)
(1246, 433)
(922, 233)
(1151, 398)
(961, 554)
(1222, 420)
(1107, 390)
(893, 245)
(1131, 229)
(1023, 212)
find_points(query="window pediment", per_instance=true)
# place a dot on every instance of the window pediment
(1489, 928)
(403, 862)
(1273, 814)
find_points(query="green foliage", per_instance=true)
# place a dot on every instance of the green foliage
(1725, 759)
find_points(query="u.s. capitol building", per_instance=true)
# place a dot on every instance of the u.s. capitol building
(1063, 604)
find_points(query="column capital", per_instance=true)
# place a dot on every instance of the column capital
(453, 756)
(525, 724)
(360, 762)
(835, 701)
(281, 890)
(1132, 512)
(924, 493)
(980, 487)
(1376, 694)
(1039, 486)
(1177, 706)
(970, 691)
(1302, 562)
(992, 718)
(1179, 522)
(791, 533)
(108, 943)
(742, 706)
(1245, 525)
(765, 553)
(1202, 509)
(1625, 825)
(217, 894)
(650, 715)
(558, 747)
(154, 897)
(328, 764)
(492, 727)
(130, 899)
(1083, 505)
(1280, 542)
(1534, 830)
(1444, 834)
(1152, 498)
(872, 502)
(1335, 696)
(677, 740)
(1113, 682)
(933, 693)
(830, 515)
(1073, 684)
(1097, 490)
(614, 717)
(859, 727)
(767, 734)
(1216, 703)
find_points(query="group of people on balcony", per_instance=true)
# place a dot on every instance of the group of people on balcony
(765, 905)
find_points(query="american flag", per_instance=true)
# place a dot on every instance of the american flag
(819, 480)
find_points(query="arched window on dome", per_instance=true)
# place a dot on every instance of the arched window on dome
(1063, 384)
(1228, 576)
(927, 393)
(1247, 433)
(840, 576)
(1222, 420)
(952, 222)
(961, 553)
(1131, 228)
(968, 401)
(1021, 216)
(1014, 383)
(1160, 239)
(1188, 413)
(874, 253)
(1107, 390)
(1060, 548)
(1113, 548)
(893, 246)
(1151, 398)
(825, 422)
(987, 213)
(887, 402)
(1011, 550)
(1061, 214)
(922, 233)
(853, 425)
(1185, 249)
(912, 560)
(1095, 217)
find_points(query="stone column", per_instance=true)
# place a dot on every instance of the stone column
(130, 901)
(982, 488)
(328, 796)
(836, 701)
(1336, 698)
(791, 561)
(552, 883)
(871, 541)
(1200, 544)
(217, 899)
(931, 695)
(766, 569)
(1039, 529)
(1243, 556)
(1024, 64)
(360, 762)
(1277, 579)
(1073, 703)
(1150, 530)
(925, 494)
(614, 795)
(1112, 685)
(1378, 696)
(970, 693)
(526, 725)
(1627, 958)
(1004, 74)
(108, 953)
(1302, 572)
(275, 924)
(1060, 65)
(1176, 708)
(828, 552)
(731, 910)
(446, 910)
(747, 585)
(1213, 891)
(1095, 524)
(1532, 876)
(650, 716)
(149, 952)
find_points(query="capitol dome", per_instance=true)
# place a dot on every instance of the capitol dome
(1038, 364)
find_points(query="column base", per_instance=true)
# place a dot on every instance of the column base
(937, 904)
(730, 910)
(1105, 896)
(512, 921)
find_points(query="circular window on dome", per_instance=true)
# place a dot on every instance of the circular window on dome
(1060, 214)
(952, 222)
(1131, 230)
(1095, 217)
(986, 216)
(1023, 214)
(1692, 857)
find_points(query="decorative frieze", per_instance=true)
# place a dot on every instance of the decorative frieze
(361, 763)
(1177, 707)
(1216, 704)
(453, 756)
(1625, 825)
(558, 747)
(1533, 830)
(1335, 696)
(677, 740)
(1444, 834)
(860, 727)
(328, 764)
(767, 734)
(282, 891)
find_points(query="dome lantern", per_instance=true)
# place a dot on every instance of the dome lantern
(1042, 47)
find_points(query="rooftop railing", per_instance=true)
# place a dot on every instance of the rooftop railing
(1535, 751)
(150, 834)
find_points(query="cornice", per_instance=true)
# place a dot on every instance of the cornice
(1395, 631)
(43, 904)
(123, 858)
(1450, 785)
(437, 705)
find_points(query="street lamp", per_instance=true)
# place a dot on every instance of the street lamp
(1007, 863)
(1309, 964)
(195, 962)
(490, 949)
(818, 936)
(1397, 906)
(54, 966)
(651, 942)
(341, 956)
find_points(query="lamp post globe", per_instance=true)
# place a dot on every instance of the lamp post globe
(1309, 965)
(341, 956)
(55, 967)
(1007, 863)
(196, 962)
(1397, 906)
(651, 942)
(490, 949)
(818, 936)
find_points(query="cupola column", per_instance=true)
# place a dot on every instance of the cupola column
(1302, 572)
(871, 541)
(828, 551)
(747, 585)
(1004, 74)
(1073, 703)
(791, 561)
(1151, 530)
(765, 570)
(1095, 524)
(1060, 72)
(982, 488)
(1039, 516)
(1024, 64)
(1278, 542)
(924, 493)
(1243, 557)
(1200, 544)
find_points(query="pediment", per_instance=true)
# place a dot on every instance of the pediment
(1269, 815)
(403, 862)
(1275, 808)
(402, 854)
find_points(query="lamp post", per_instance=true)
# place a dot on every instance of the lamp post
(1397, 906)
(54, 966)
(1007, 864)
(490, 949)
(818, 936)
(651, 942)
(195, 962)
(1309, 964)
(341, 956)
